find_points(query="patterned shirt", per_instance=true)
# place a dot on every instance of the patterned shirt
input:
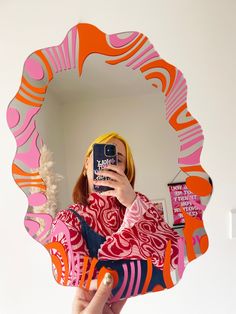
(137, 232)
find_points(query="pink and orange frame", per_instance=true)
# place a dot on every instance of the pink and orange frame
(134, 51)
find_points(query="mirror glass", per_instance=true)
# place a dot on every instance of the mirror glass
(106, 99)
(83, 101)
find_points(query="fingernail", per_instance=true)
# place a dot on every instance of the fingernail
(107, 280)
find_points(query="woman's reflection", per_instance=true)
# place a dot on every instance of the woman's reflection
(119, 229)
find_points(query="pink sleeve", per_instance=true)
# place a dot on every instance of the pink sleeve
(136, 211)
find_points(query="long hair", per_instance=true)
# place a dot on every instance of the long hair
(80, 191)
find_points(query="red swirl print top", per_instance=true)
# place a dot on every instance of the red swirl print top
(137, 232)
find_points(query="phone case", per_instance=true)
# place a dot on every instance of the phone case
(101, 159)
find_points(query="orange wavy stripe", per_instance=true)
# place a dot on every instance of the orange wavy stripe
(26, 101)
(19, 171)
(40, 90)
(180, 126)
(191, 224)
(126, 57)
(40, 186)
(204, 243)
(157, 288)
(148, 276)
(86, 258)
(192, 168)
(57, 263)
(31, 95)
(199, 185)
(157, 75)
(46, 63)
(29, 180)
(92, 40)
(166, 268)
(60, 248)
(164, 65)
(91, 271)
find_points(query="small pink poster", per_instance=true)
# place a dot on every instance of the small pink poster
(181, 196)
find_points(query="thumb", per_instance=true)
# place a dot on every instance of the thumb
(100, 298)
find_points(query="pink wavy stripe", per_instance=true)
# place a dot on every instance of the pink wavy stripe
(191, 159)
(182, 93)
(48, 52)
(78, 270)
(32, 226)
(151, 56)
(32, 156)
(47, 220)
(190, 135)
(119, 42)
(26, 135)
(178, 85)
(74, 34)
(180, 102)
(57, 58)
(13, 117)
(191, 143)
(179, 99)
(62, 57)
(181, 265)
(189, 131)
(62, 228)
(66, 50)
(140, 55)
(181, 89)
(138, 278)
(131, 278)
(199, 206)
(122, 288)
(29, 115)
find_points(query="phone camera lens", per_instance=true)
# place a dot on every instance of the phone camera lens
(110, 150)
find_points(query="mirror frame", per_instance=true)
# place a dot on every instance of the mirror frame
(39, 70)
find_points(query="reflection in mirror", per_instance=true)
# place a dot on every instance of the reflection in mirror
(170, 195)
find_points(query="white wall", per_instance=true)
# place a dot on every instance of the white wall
(198, 37)
(70, 128)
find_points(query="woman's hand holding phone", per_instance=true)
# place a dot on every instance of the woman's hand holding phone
(123, 190)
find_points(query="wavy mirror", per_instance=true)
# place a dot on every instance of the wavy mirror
(92, 84)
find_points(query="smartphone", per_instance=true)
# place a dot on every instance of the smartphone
(103, 155)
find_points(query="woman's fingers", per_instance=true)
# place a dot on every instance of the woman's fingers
(116, 169)
(78, 306)
(110, 174)
(100, 298)
(112, 184)
(117, 306)
(107, 310)
(84, 294)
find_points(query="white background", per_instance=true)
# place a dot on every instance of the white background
(198, 37)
